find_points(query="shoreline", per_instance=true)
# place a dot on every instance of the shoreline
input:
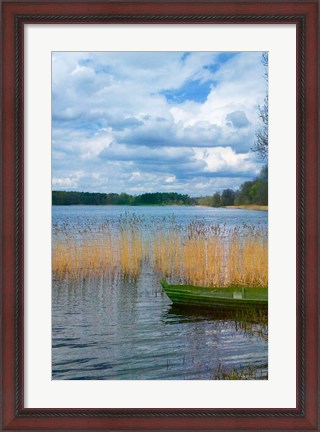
(240, 207)
(249, 207)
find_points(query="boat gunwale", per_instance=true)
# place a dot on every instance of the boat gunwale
(181, 294)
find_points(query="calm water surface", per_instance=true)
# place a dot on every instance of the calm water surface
(129, 330)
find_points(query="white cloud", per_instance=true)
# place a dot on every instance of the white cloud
(111, 115)
(225, 159)
(67, 181)
(170, 179)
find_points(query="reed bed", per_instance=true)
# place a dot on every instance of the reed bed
(195, 254)
(214, 256)
(79, 255)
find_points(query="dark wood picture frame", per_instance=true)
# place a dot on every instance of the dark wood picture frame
(14, 15)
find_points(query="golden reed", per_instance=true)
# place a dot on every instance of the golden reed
(197, 255)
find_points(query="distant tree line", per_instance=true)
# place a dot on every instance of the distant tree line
(92, 198)
(250, 192)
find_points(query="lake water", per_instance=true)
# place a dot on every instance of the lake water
(125, 330)
(98, 214)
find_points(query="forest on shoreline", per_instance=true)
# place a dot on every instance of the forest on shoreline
(253, 192)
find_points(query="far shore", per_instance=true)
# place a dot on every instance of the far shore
(250, 207)
(243, 207)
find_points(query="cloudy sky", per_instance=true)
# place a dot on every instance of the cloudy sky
(154, 121)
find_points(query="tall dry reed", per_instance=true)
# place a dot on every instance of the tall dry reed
(214, 256)
(197, 254)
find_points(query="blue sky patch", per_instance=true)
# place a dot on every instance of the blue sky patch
(99, 69)
(85, 62)
(226, 56)
(185, 56)
(196, 91)
(212, 67)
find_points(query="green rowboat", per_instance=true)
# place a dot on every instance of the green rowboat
(234, 297)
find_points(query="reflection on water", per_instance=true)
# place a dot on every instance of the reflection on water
(183, 215)
(130, 330)
(117, 329)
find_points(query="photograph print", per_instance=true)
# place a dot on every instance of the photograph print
(159, 215)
